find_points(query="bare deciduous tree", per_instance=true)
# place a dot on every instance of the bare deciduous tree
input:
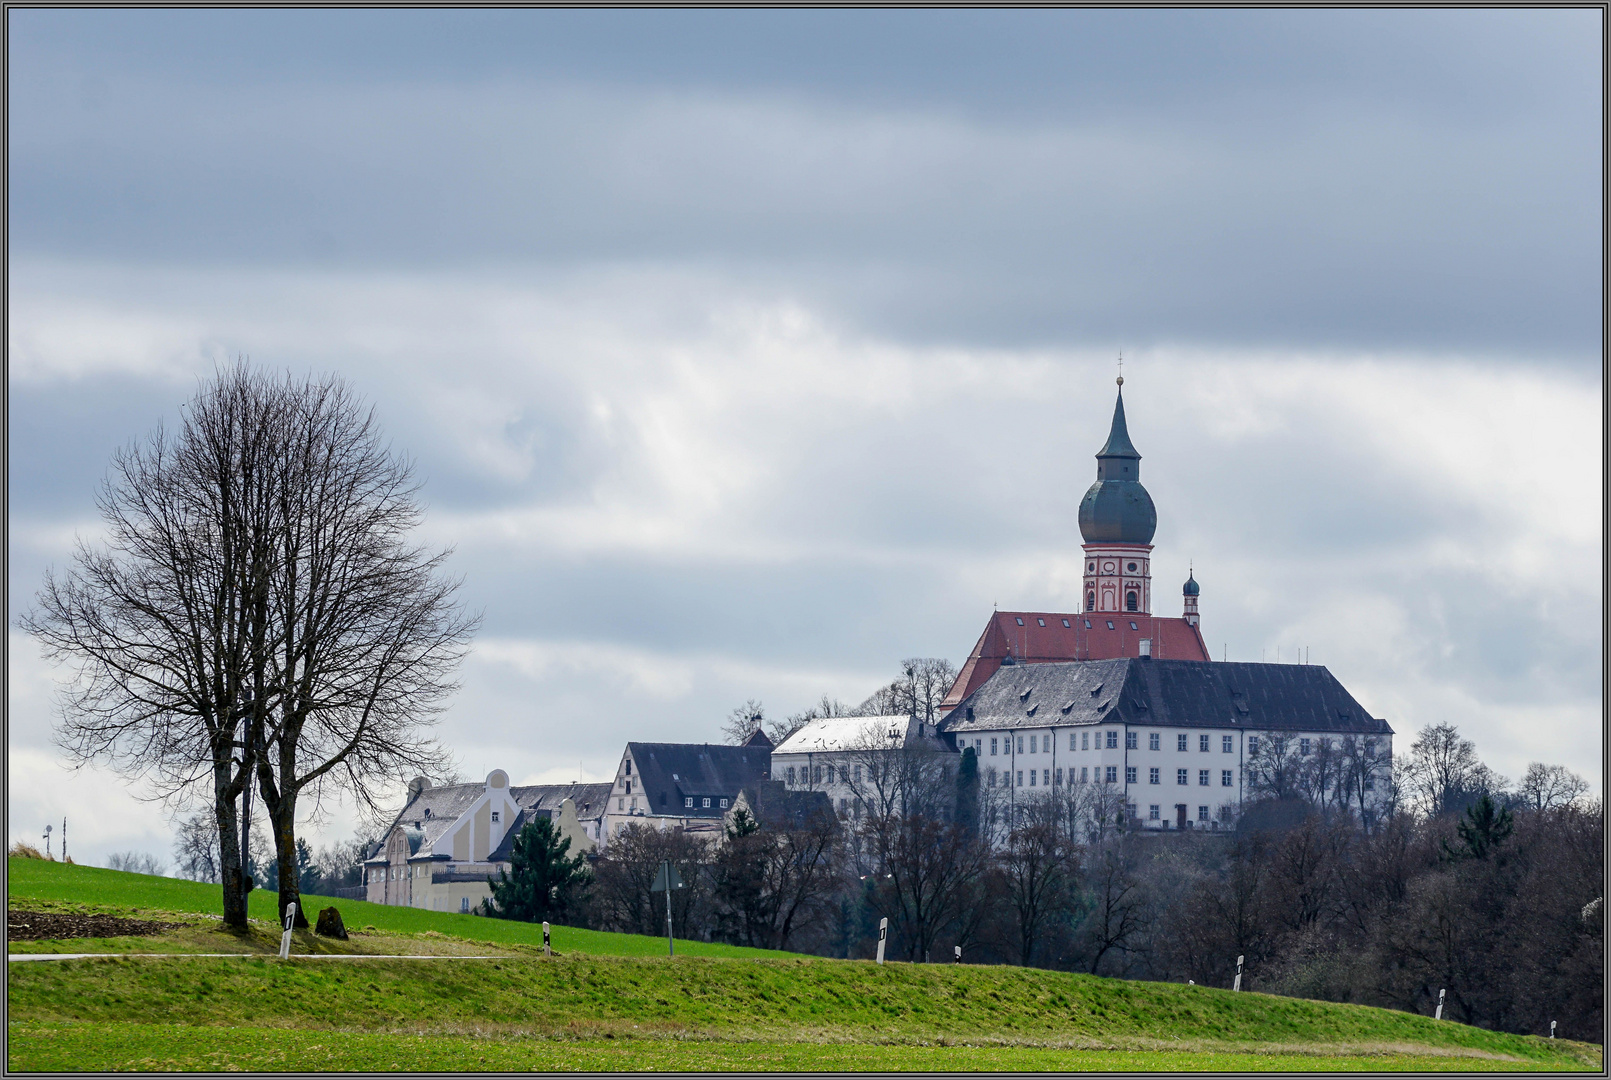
(195, 848)
(1548, 786)
(256, 615)
(136, 862)
(743, 722)
(1036, 865)
(1441, 764)
(917, 692)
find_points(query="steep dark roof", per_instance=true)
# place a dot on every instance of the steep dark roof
(1117, 509)
(759, 739)
(1118, 444)
(1033, 637)
(1166, 693)
(590, 798)
(670, 772)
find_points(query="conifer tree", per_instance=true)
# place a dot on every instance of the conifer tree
(543, 882)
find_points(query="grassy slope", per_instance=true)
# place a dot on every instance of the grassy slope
(92, 888)
(616, 1011)
(166, 1047)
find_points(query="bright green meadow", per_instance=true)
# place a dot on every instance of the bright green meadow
(616, 1002)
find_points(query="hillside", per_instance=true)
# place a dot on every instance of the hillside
(52, 885)
(621, 1011)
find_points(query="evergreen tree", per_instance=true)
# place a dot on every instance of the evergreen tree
(1483, 828)
(309, 878)
(543, 882)
(967, 808)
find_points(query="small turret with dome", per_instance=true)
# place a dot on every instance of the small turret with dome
(1117, 521)
(1188, 594)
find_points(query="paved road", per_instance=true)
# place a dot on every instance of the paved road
(242, 956)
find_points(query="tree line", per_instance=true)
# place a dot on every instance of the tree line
(1459, 882)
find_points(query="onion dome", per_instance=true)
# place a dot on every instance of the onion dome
(1117, 509)
(1190, 588)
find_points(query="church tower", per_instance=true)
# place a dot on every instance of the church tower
(1117, 520)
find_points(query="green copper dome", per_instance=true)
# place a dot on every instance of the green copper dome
(1117, 509)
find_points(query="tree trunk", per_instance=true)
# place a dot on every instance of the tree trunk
(231, 870)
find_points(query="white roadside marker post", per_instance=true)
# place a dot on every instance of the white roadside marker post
(883, 931)
(285, 938)
(1552, 1029)
(959, 954)
(546, 950)
(1439, 1014)
(1238, 984)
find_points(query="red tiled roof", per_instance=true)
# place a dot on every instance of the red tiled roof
(1036, 637)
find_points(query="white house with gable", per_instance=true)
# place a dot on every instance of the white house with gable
(448, 840)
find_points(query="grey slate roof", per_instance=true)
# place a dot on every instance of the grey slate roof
(668, 772)
(542, 800)
(590, 798)
(430, 814)
(1165, 693)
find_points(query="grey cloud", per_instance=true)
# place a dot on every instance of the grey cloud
(1348, 216)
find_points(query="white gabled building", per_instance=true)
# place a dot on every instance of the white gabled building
(448, 840)
(1177, 739)
(832, 755)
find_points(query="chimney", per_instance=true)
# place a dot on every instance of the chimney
(1146, 648)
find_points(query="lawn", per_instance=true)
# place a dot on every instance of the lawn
(613, 1002)
(92, 888)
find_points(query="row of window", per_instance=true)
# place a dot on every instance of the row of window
(1087, 622)
(1202, 812)
(1049, 777)
(1107, 775)
(1306, 746)
(1081, 740)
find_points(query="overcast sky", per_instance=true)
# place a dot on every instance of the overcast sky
(745, 354)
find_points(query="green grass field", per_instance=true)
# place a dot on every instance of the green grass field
(60, 886)
(613, 1005)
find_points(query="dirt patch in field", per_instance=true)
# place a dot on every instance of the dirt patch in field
(40, 925)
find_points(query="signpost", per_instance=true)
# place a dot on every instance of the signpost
(959, 954)
(285, 938)
(664, 881)
(546, 950)
(1439, 1014)
(883, 932)
(1552, 1029)
(1238, 984)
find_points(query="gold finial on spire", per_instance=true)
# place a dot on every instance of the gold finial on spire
(1121, 367)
